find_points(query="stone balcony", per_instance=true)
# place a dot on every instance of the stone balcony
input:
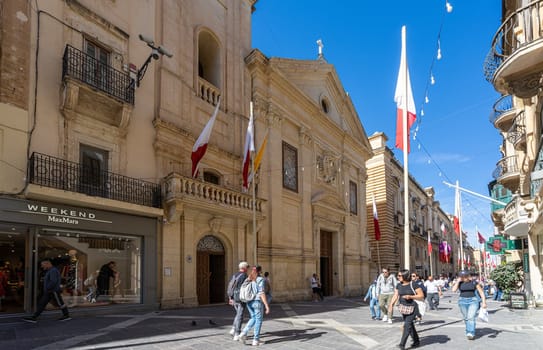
(513, 64)
(179, 189)
(518, 215)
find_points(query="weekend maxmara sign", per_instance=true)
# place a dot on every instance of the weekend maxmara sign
(50, 214)
(62, 215)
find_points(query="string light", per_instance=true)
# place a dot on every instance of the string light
(448, 6)
(438, 50)
(432, 79)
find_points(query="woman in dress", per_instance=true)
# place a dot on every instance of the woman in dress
(406, 293)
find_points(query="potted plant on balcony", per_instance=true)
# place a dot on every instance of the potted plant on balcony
(509, 278)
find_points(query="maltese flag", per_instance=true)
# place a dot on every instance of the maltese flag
(443, 229)
(249, 147)
(376, 222)
(429, 245)
(404, 100)
(200, 146)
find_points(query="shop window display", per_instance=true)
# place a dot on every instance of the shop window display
(96, 269)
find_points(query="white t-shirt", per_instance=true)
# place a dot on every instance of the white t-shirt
(431, 286)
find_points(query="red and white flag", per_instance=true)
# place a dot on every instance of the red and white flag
(443, 229)
(429, 244)
(247, 149)
(480, 237)
(404, 99)
(376, 222)
(457, 212)
(458, 258)
(200, 146)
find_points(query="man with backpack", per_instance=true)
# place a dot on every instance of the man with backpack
(233, 297)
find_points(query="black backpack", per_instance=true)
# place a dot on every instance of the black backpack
(234, 285)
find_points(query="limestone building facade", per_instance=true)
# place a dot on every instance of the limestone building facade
(514, 67)
(100, 111)
(426, 219)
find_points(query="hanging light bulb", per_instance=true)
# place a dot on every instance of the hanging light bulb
(448, 6)
(439, 53)
(432, 79)
(426, 99)
(422, 112)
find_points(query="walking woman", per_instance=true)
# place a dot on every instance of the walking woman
(255, 308)
(468, 302)
(406, 293)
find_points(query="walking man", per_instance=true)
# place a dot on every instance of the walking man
(233, 298)
(386, 285)
(433, 292)
(51, 293)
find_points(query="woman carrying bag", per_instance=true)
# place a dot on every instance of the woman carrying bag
(469, 302)
(406, 293)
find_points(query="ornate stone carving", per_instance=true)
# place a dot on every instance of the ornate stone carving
(526, 87)
(305, 136)
(327, 166)
(274, 117)
(215, 224)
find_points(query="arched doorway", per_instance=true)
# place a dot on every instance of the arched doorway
(210, 271)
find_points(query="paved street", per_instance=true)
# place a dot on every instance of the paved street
(340, 323)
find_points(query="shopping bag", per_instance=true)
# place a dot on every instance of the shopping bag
(483, 314)
(422, 306)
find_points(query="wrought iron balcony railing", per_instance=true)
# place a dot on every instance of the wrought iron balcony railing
(65, 175)
(537, 172)
(505, 166)
(518, 30)
(503, 105)
(88, 70)
(518, 129)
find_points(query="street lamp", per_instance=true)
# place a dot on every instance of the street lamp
(156, 52)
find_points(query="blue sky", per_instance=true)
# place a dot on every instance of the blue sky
(362, 39)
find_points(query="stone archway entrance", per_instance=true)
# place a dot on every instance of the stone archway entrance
(210, 271)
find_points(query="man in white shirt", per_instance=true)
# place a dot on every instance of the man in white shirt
(386, 284)
(433, 292)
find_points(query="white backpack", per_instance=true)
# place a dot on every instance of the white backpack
(248, 291)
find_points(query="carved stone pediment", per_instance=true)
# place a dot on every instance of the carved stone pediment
(328, 198)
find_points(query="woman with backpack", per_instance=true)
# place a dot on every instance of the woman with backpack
(255, 306)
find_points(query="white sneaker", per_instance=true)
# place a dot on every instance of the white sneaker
(470, 336)
(257, 342)
(390, 321)
(232, 331)
(385, 318)
(236, 337)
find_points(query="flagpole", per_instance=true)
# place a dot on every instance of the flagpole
(460, 225)
(254, 191)
(405, 163)
(430, 255)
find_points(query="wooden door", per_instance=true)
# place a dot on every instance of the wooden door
(217, 292)
(326, 260)
(202, 277)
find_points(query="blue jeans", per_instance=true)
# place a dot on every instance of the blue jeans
(240, 308)
(255, 310)
(469, 307)
(375, 310)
